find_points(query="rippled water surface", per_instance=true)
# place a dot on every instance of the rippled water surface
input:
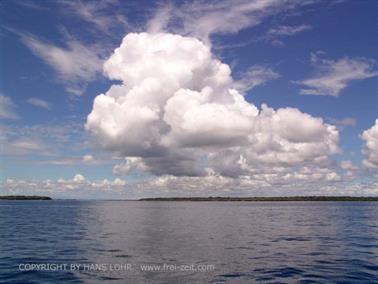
(220, 242)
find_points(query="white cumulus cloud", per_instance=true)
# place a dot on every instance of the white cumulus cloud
(129, 165)
(78, 178)
(370, 150)
(177, 112)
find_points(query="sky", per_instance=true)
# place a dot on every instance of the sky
(120, 99)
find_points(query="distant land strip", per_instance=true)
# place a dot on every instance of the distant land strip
(24, 197)
(278, 198)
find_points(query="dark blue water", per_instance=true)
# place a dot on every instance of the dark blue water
(216, 242)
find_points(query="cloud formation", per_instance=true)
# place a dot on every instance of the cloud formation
(76, 187)
(255, 75)
(287, 30)
(370, 150)
(39, 103)
(177, 112)
(335, 75)
(204, 18)
(130, 165)
(347, 166)
(76, 64)
(49, 142)
(275, 35)
(7, 108)
(297, 183)
(96, 13)
(342, 123)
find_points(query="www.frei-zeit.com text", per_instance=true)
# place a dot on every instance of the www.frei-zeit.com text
(109, 267)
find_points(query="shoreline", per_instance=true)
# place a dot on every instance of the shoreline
(212, 199)
(264, 199)
(24, 197)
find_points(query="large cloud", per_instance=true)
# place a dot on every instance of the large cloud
(370, 136)
(176, 112)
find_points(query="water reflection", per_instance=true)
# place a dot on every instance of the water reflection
(245, 241)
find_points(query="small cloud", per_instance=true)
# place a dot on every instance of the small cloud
(336, 75)
(39, 103)
(102, 15)
(130, 164)
(255, 76)
(347, 166)
(118, 181)
(76, 64)
(274, 35)
(277, 43)
(78, 178)
(160, 20)
(7, 108)
(25, 146)
(202, 20)
(91, 160)
(342, 123)
(370, 150)
(88, 159)
(28, 144)
(282, 31)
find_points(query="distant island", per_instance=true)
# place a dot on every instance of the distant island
(24, 197)
(278, 198)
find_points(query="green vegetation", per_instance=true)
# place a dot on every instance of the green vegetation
(24, 197)
(278, 198)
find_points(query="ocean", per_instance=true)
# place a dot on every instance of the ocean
(67, 241)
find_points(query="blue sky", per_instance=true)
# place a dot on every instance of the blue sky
(319, 57)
